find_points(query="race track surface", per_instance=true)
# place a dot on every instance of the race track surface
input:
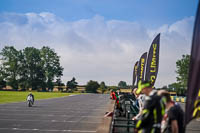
(76, 114)
(194, 125)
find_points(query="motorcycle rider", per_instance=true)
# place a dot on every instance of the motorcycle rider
(31, 95)
(153, 111)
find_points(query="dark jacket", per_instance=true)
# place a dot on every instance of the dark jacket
(154, 109)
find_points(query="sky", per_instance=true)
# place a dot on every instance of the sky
(101, 40)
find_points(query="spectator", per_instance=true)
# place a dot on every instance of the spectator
(173, 119)
(140, 102)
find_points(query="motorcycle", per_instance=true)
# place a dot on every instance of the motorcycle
(30, 101)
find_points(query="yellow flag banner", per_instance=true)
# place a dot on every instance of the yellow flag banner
(153, 60)
(193, 91)
(141, 67)
(135, 73)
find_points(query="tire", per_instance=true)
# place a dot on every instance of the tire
(29, 104)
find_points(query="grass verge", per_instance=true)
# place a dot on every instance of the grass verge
(17, 96)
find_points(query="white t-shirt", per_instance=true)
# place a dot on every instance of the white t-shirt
(141, 100)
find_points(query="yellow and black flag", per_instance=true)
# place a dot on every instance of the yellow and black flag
(192, 109)
(153, 60)
(141, 67)
(135, 73)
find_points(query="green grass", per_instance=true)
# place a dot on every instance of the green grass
(17, 96)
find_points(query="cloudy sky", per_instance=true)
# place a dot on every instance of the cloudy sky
(101, 39)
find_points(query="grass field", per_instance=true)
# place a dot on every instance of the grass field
(17, 96)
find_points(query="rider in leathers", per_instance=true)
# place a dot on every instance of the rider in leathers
(154, 109)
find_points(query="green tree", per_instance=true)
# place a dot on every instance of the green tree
(174, 86)
(183, 70)
(2, 77)
(51, 65)
(33, 66)
(30, 68)
(92, 86)
(23, 73)
(59, 84)
(112, 88)
(103, 87)
(122, 84)
(10, 65)
(2, 83)
(72, 84)
(164, 87)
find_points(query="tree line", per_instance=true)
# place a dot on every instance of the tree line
(90, 87)
(94, 86)
(29, 68)
(40, 69)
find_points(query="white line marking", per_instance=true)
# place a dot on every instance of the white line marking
(92, 122)
(21, 129)
(47, 110)
(51, 115)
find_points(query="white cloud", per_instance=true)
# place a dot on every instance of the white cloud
(98, 49)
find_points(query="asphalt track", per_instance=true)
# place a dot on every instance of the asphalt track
(194, 125)
(76, 114)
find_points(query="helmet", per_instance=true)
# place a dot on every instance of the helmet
(142, 85)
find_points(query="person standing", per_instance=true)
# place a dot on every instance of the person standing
(153, 111)
(140, 98)
(174, 116)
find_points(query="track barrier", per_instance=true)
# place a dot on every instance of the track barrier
(124, 111)
(178, 99)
